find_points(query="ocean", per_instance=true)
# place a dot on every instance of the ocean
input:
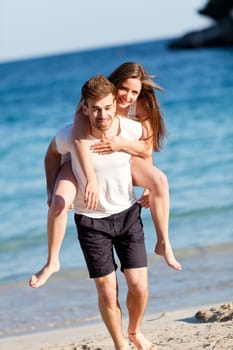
(37, 98)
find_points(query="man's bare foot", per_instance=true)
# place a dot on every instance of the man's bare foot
(39, 278)
(166, 251)
(140, 341)
(123, 347)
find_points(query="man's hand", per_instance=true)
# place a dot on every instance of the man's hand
(144, 199)
(91, 196)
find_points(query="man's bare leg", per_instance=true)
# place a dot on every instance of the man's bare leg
(110, 310)
(64, 193)
(147, 176)
(137, 298)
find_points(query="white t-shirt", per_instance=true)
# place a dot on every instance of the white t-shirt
(116, 192)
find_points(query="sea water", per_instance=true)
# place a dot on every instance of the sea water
(39, 96)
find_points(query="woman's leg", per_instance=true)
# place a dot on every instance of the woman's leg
(146, 175)
(63, 196)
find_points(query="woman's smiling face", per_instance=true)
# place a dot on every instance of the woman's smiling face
(128, 92)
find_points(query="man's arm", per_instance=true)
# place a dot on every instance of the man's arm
(80, 134)
(52, 163)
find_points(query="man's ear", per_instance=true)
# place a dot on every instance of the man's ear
(85, 110)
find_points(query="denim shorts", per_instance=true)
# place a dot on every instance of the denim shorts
(122, 233)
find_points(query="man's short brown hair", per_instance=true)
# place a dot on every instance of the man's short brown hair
(97, 87)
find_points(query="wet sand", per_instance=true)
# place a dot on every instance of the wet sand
(176, 330)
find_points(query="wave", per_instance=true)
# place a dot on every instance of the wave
(200, 212)
(17, 243)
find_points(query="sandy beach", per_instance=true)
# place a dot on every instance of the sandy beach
(176, 330)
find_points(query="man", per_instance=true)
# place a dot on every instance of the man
(116, 222)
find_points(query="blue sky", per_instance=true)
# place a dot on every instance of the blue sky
(30, 28)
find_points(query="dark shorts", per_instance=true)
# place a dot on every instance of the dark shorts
(123, 231)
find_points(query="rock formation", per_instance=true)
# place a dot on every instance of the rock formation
(216, 314)
(217, 35)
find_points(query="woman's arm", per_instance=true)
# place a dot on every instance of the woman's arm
(80, 133)
(115, 144)
(141, 148)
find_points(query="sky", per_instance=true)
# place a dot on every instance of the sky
(32, 28)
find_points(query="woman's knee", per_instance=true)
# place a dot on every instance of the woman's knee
(60, 205)
(160, 182)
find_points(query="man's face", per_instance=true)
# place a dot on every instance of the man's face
(101, 113)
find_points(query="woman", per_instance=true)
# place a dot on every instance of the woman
(136, 99)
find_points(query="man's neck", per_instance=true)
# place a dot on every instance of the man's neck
(107, 134)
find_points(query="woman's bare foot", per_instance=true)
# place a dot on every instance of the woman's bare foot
(166, 251)
(39, 278)
(140, 341)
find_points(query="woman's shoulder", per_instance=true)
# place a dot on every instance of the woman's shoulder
(129, 121)
(132, 110)
(130, 128)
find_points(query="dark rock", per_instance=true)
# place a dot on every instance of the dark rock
(220, 34)
(217, 35)
(217, 9)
